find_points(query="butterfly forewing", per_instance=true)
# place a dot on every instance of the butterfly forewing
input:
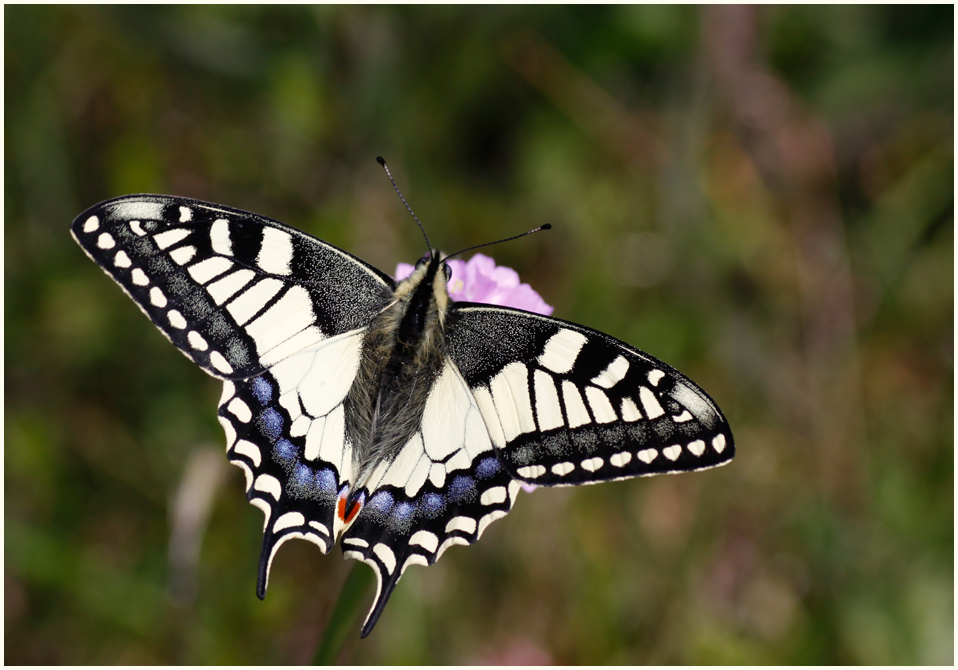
(236, 292)
(569, 405)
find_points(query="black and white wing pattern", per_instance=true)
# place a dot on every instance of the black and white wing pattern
(383, 416)
(234, 291)
(567, 405)
(278, 314)
(445, 487)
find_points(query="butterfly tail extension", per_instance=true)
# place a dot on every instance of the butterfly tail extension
(297, 495)
(395, 531)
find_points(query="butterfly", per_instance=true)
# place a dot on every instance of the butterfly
(383, 414)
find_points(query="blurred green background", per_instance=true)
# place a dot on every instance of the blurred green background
(760, 196)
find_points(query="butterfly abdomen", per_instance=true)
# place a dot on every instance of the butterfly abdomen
(402, 355)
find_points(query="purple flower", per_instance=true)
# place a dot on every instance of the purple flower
(479, 280)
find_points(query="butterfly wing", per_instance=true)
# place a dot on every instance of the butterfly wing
(234, 291)
(444, 488)
(567, 405)
(278, 314)
(285, 428)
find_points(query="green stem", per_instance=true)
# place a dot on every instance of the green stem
(345, 615)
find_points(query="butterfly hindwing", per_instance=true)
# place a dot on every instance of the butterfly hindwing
(568, 405)
(235, 291)
(286, 430)
(444, 488)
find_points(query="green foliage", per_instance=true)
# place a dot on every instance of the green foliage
(762, 197)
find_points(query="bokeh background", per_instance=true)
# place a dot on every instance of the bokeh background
(760, 196)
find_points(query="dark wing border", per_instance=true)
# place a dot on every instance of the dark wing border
(637, 416)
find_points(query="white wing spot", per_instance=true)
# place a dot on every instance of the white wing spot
(718, 443)
(493, 496)
(196, 341)
(220, 363)
(300, 426)
(320, 527)
(673, 452)
(386, 555)
(683, 417)
(630, 412)
(245, 307)
(510, 392)
(620, 459)
(91, 224)
(574, 407)
(268, 484)
(561, 351)
(105, 241)
(220, 237)
(613, 373)
(288, 316)
(185, 214)
(601, 407)
(697, 447)
(489, 415)
(592, 464)
(137, 228)
(223, 289)
(647, 455)
(205, 270)
(562, 469)
(420, 473)
(183, 255)
(276, 252)
(655, 376)
(240, 410)
(548, 410)
(437, 475)
(650, 403)
(121, 260)
(248, 449)
(464, 524)
(170, 237)
(451, 541)
(289, 520)
(414, 559)
(425, 539)
(532, 471)
(139, 277)
(176, 319)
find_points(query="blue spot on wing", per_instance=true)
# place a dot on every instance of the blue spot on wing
(432, 504)
(285, 449)
(271, 423)
(487, 468)
(326, 480)
(262, 390)
(462, 489)
(381, 502)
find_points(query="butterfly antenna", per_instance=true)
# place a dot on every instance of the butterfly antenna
(545, 226)
(382, 161)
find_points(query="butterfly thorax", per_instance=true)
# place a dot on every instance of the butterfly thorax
(402, 355)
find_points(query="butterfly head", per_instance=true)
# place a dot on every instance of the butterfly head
(422, 297)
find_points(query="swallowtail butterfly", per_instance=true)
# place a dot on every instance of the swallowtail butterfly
(381, 414)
